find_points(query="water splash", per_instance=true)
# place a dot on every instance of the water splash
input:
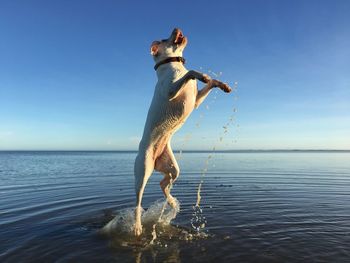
(198, 221)
(199, 194)
(158, 231)
(177, 207)
(158, 213)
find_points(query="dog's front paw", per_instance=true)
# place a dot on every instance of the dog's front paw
(225, 87)
(137, 229)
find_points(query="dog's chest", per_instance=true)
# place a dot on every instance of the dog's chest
(170, 77)
(181, 107)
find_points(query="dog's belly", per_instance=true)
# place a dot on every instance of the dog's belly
(175, 116)
(164, 119)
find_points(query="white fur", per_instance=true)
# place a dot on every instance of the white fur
(174, 99)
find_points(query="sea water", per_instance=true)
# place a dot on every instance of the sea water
(290, 206)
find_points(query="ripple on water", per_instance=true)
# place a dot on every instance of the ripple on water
(258, 207)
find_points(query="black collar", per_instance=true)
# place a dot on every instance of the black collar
(168, 60)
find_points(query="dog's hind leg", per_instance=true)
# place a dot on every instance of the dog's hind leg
(166, 164)
(144, 165)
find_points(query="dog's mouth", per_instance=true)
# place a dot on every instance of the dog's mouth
(179, 37)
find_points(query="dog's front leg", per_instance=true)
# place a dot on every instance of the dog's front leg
(177, 86)
(204, 92)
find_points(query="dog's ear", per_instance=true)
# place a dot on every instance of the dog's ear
(154, 48)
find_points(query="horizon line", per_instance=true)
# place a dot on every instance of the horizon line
(189, 150)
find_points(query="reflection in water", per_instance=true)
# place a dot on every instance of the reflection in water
(170, 253)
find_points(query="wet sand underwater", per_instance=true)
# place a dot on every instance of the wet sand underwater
(255, 207)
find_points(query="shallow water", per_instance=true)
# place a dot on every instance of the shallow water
(259, 207)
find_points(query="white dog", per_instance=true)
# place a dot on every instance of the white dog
(174, 98)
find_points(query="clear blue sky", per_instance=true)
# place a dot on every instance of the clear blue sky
(78, 74)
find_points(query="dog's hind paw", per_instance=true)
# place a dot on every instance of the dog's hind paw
(172, 202)
(137, 229)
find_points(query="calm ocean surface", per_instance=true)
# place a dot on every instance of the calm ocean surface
(259, 207)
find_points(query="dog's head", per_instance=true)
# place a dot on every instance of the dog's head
(171, 47)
